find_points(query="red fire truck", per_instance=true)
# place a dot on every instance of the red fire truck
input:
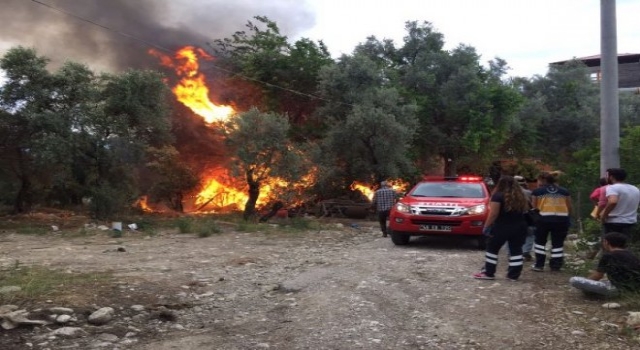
(441, 206)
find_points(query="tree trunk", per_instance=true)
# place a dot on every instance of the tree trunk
(254, 192)
(177, 204)
(23, 200)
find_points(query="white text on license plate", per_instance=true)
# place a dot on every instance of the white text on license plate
(435, 228)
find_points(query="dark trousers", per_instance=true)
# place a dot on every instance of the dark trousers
(382, 218)
(625, 229)
(514, 235)
(558, 232)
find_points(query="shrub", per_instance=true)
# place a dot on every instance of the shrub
(207, 228)
(185, 225)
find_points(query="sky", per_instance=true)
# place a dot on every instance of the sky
(528, 34)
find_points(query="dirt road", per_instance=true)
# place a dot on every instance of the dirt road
(340, 287)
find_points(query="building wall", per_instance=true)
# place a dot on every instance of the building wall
(628, 74)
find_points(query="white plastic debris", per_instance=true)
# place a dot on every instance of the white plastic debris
(611, 306)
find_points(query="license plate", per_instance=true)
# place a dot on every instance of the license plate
(435, 228)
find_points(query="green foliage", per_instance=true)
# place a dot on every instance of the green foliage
(246, 226)
(369, 134)
(629, 145)
(465, 111)
(202, 227)
(303, 224)
(185, 225)
(560, 115)
(288, 72)
(106, 201)
(70, 134)
(172, 178)
(32, 229)
(207, 228)
(261, 150)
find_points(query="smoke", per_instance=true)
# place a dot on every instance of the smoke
(167, 23)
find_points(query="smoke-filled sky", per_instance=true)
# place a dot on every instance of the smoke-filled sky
(167, 23)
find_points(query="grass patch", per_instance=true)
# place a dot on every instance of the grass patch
(206, 228)
(201, 226)
(630, 299)
(38, 284)
(246, 226)
(185, 225)
(30, 229)
(301, 225)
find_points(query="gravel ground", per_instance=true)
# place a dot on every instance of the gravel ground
(340, 287)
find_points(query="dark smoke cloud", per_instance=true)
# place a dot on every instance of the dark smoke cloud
(167, 23)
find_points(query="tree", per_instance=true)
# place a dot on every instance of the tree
(26, 99)
(561, 112)
(261, 151)
(464, 109)
(71, 134)
(171, 178)
(283, 75)
(370, 127)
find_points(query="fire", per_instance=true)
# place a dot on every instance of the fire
(219, 196)
(221, 192)
(143, 204)
(368, 191)
(192, 90)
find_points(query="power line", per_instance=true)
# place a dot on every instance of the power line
(57, 9)
(162, 48)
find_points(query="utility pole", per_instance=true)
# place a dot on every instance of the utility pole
(609, 103)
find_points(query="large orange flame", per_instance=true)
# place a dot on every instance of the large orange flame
(192, 90)
(368, 191)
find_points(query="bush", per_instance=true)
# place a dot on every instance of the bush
(185, 225)
(107, 201)
(207, 228)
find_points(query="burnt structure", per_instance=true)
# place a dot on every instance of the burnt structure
(628, 69)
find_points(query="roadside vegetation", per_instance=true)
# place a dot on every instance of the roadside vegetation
(38, 284)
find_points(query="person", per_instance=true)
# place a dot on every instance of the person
(554, 205)
(621, 267)
(383, 200)
(505, 223)
(620, 214)
(595, 195)
(531, 229)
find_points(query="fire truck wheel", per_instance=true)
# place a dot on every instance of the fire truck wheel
(399, 238)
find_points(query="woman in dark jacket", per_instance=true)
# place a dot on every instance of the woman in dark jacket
(505, 223)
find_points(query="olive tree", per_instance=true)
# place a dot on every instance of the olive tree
(259, 149)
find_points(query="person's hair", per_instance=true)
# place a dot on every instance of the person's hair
(602, 181)
(617, 173)
(616, 239)
(514, 199)
(547, 177)
(383, 184)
